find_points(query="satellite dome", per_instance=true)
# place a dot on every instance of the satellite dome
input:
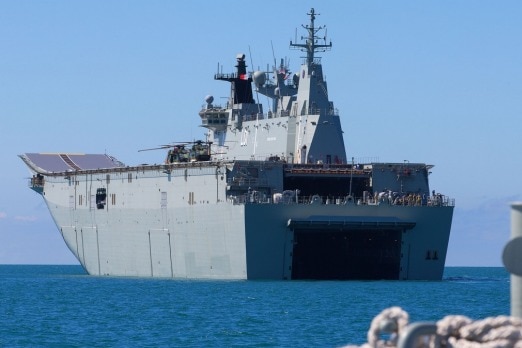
(259, 78)
(209, 99)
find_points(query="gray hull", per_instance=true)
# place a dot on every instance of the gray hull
(227, 240)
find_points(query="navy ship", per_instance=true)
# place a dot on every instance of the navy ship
(270, 194)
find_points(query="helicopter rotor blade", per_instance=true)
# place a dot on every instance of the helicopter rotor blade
(161, 147)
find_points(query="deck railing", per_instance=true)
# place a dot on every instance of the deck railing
(255, 197)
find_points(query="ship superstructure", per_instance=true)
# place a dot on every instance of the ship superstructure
(302, 126)
(269, 195)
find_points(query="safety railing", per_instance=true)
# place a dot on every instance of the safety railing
(293, 197)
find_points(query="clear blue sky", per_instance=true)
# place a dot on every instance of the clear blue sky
(426, 81)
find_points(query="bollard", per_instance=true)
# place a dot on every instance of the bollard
(512, 259)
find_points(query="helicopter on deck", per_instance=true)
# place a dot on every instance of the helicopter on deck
(183, 152)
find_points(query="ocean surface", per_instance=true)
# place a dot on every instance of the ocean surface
(61, 306)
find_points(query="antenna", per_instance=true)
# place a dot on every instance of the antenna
(311, 44)
(273, 54)
(250, 53)
(252, 65)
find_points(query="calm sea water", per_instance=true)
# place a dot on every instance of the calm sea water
(62, 306)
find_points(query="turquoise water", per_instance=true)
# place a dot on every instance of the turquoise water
(62, 306)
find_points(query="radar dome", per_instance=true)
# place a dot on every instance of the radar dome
(209, 99)
(259, 78)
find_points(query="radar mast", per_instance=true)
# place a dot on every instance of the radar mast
(311, 45)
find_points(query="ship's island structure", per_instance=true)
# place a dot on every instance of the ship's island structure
(268, 195)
